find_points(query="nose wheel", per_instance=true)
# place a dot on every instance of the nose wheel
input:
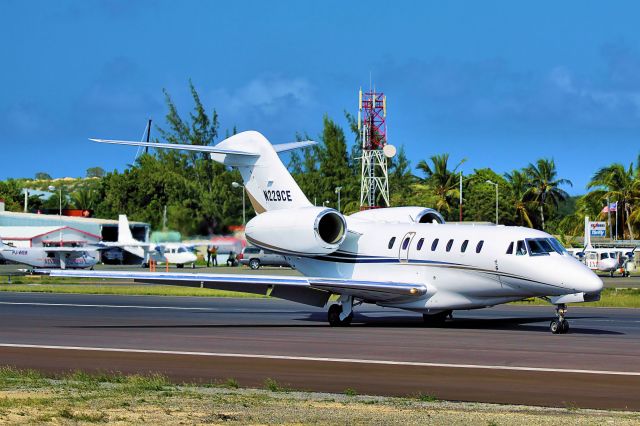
(560, 325)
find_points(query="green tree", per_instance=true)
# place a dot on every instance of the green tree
(545, 185)
(617, 183)
(95, 172)
(11, 194)
(518, 183)
(441, 181)
(43, 176)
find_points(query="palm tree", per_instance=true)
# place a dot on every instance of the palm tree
(85, 198)
(442, 181)
(519, 185)
(615, 182)
(544, 185)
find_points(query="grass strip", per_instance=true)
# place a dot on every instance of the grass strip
(27, 396)
(123, 289)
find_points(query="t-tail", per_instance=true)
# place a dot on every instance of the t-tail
(126, 240)
(267, 181)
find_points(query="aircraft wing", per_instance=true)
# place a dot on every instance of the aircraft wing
(308, 290)
(64, 249)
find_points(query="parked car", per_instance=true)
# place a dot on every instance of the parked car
(256, 257)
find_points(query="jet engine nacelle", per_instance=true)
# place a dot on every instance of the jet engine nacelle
(401, 215)
(305, 230)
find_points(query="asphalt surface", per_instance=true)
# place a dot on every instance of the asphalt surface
(504, 354)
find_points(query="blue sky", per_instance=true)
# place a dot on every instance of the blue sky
(500, 83)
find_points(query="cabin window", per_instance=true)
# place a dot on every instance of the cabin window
(463, 248)
(521, 249)
(434, 244)
(604, 256)
(479, 246)
(510, 249)
(420, 243)
(449, 245)
(392, 242)
(405, 243)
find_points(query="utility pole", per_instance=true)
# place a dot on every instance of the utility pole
(496, 185)
(338, 189)
(146, 149)
(237, 185)
(609, 218)
(461, 196)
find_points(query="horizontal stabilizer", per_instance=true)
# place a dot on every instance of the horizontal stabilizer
(199, 148)
(284, 147)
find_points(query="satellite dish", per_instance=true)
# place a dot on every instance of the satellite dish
(389, 151)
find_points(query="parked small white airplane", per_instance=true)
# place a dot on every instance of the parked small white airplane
(178, 254)
(608, 260)
(402, 257)
(51, 257)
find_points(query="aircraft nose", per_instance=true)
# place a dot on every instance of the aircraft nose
(589, 282)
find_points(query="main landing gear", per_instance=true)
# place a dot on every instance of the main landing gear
(437, 320)
(560, 325)
(341, 314)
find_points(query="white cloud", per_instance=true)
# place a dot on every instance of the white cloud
(268, 96)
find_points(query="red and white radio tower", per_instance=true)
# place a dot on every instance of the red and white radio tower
(374, 183)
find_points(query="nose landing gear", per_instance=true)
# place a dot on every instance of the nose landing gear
(560, 325)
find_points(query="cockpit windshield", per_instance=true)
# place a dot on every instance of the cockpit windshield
(544, 246)
(557, 245)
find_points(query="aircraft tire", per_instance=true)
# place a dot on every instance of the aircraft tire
(334, 316)
(559, 327)
(435, 320)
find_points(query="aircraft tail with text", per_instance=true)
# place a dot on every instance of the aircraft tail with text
(267, 181)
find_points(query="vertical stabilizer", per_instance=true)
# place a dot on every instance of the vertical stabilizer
(267, 181)
(124, 231)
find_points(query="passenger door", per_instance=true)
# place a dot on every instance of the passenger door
(405, 247)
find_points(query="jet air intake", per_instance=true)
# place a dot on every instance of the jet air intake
(304, 230)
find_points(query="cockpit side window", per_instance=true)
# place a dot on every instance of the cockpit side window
(604, 256)
(510, 249)
(521, 248)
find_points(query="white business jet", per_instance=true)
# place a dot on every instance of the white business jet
(401, 257)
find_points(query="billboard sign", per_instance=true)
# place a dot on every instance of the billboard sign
(598, 229)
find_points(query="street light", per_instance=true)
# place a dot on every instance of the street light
(53, 188)
(236, 185)
(338, 189)
(496, 185)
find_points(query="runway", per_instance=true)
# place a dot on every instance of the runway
(504, 354)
